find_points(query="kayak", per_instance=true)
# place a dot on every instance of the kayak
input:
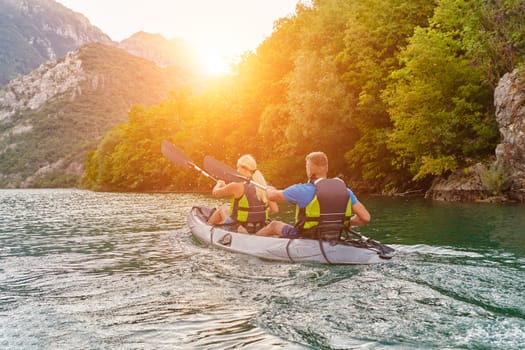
(297, 250)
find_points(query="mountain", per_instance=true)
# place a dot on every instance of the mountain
(50, 118)
(156, 48)
(64, 84)
(35, 31)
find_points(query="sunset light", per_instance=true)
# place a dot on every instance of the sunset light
(220, 31)
(213, 61)
(265, 174)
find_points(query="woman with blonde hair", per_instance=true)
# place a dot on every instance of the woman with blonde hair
(249, 206)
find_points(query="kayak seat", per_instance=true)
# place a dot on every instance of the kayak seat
(252, 227)
(330, 232)
(325, 232)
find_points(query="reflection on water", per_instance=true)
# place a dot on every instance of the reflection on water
(98, 270)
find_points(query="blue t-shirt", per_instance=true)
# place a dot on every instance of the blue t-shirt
(302, 194)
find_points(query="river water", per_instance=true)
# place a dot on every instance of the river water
(86, 270)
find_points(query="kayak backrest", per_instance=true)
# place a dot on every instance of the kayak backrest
(325, 232)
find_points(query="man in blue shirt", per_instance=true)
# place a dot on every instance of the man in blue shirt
(303, 194)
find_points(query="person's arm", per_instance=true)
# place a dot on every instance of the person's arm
(361, 215)
(221, 189)
(275, 195)
(273, 207)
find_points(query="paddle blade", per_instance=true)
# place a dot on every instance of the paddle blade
(384, 251)
(222, 171)
(175, 155)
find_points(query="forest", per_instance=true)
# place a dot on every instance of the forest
(395, 92)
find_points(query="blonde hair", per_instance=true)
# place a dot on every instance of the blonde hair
(248, 162)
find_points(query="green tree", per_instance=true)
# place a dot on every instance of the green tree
(129, 157)
(377, 31)
(441, 101)
(264, 80)
(438, 105)
(491, 32)
(317, 103)
(392, 90)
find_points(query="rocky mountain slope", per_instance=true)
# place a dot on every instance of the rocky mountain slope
(50, 118)
(64, 84)
(36, 31)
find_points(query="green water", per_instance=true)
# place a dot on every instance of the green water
(98, 270)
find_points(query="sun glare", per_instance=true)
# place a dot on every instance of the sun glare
(213, 62)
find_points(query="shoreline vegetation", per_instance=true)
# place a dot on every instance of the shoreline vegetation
(424, 101)
(402, 105)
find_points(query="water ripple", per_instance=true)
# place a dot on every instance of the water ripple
(101, 270)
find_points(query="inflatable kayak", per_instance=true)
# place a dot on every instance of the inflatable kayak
(349, 251)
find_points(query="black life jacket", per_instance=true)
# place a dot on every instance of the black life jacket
(330, 205)
(248, 208)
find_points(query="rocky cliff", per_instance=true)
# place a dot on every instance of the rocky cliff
(31, 91)
(504, 179)
(50, 118)
(36, 31)
(509, 99)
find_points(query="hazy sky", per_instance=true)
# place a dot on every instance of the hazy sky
(219, 29)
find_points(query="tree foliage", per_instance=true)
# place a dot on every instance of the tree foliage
(440, 100)
(395, 93)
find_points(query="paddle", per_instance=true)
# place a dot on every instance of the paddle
(226, 173)
(180, 158)
(385, 251)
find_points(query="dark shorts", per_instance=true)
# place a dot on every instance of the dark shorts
(289, 231)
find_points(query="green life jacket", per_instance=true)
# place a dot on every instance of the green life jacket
(331, 204)
(248, 208)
